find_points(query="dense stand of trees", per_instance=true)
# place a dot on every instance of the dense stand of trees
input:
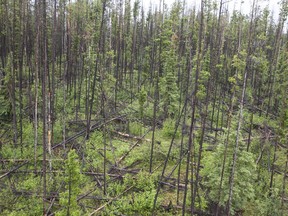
(156, 111)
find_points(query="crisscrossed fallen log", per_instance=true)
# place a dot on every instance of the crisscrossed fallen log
(82, 132)
(95, 126)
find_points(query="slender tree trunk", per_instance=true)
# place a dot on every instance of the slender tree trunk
(235, 154)
(36, 80)
(284, 184)
(154, 120)
(272, 170)
(96, 69)
(193, 119)
(44, 61)
(14, 71)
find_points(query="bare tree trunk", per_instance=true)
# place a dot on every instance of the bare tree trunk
(240, 117)
(155, 84)
(235, 154)
(284, 184)
(36, 80)
(272, 170)
(154, 120)
(193, 119)
(44, 68)
(96, 69)
(13, 77)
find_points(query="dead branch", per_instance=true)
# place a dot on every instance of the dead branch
(281, 173)
(132, 147)
(95, 126)
(188, 210)
(54, 195)
(54, 198)
(62, 171)
(173, 185)
(124, 171)
(110, 201)
(14, 169)
(28, 160)
(131, 136)
(133, 164)
(260, 137)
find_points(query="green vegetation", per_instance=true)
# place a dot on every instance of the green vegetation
(108, 108)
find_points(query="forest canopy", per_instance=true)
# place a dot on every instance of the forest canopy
(110, 109)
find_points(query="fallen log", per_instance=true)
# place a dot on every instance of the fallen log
(110, 201)
(95, 126)
(124, 171)
(131, 136)
(132, 147)
(172, 185)
(14, 169)
(195, 211)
